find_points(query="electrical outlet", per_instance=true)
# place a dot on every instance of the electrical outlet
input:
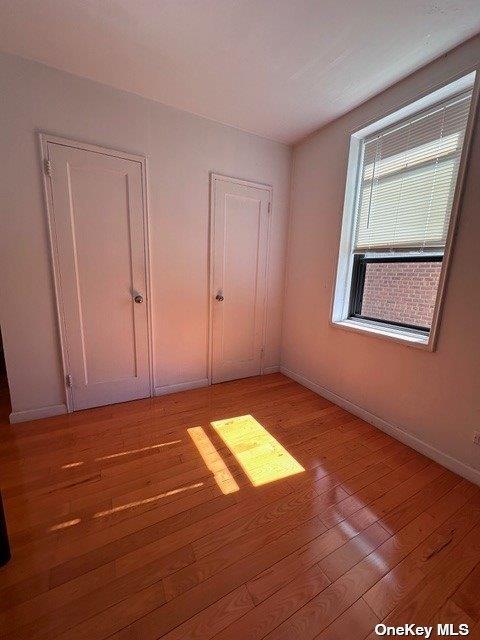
(476, 437)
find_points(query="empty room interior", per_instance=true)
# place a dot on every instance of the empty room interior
(239, 312)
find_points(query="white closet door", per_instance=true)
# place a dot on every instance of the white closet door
(239, 259)
(99, 230)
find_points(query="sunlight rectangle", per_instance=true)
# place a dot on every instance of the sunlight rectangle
(213, 460)
(259, 454)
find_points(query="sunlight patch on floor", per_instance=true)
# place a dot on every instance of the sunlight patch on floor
(65, 525)
(213, 460)
(132, 451)
(259, 454)
(121, 454)
(137, 503)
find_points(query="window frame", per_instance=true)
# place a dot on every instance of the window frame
(342, 290)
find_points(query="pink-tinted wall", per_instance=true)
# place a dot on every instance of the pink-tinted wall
(431, 397)
(181, 151)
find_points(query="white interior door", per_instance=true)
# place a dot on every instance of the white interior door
(97, 214)
(239, 277)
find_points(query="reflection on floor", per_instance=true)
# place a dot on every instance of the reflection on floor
(252, 509)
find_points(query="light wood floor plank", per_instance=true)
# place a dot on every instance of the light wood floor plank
(121, 530)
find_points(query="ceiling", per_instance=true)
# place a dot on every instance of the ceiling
(278, 68)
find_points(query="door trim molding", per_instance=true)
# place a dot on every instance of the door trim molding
(214, 178)
(45, 138)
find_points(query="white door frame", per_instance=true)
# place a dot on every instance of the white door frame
(44, 139)
(214, 178)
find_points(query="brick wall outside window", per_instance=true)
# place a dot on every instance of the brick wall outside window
(401, 291)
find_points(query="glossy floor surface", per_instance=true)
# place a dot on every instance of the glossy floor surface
(252, 509)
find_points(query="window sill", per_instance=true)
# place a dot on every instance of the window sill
(410, 337)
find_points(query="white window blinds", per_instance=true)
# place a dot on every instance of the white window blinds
(407, 180)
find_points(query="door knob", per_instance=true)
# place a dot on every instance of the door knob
(138, 298)
(219, 297)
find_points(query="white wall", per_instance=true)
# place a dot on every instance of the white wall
(182, 149)
(434, 397)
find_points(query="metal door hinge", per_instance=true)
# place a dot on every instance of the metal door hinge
(69, 380)
(47, 165)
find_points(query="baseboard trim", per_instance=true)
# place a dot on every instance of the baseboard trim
(273, 369)
(464, 470)
(182, 386)
(37, 414)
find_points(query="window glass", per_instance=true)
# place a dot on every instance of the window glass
(401, 292)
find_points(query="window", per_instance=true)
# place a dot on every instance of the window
(395, 290)
(401, 189)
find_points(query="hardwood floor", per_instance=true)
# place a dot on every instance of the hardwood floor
(128, 522)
